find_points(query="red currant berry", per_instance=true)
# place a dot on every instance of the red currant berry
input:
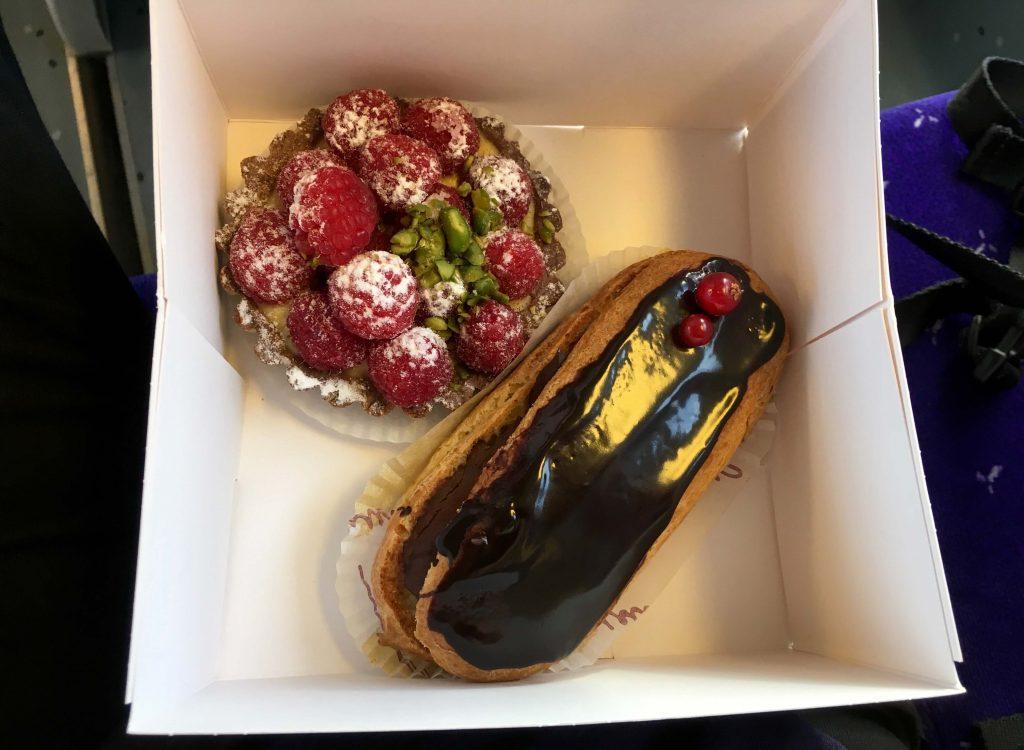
(695, 330)
(719, 293)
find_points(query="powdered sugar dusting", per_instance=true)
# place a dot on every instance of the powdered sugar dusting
(374, 295)
(400, 170)
(491, 337)
(446, 126)
(359, 127)
(238, 202)
(338, 391)
(263, 258)
(441, 299)
(421, 345)
(303, 163)
(350, 121)
(244, 311)
(516, 262)
(300, 216)
(548, 293)
(412, 368)
(506, 182)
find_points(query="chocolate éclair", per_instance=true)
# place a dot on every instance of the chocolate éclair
(543, 504)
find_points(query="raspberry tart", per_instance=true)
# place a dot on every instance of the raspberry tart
(392, 253)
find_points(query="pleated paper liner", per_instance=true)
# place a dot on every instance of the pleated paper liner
(397, 426)
(371, 511)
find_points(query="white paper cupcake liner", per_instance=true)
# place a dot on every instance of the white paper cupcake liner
(397, 426)
(372, 509)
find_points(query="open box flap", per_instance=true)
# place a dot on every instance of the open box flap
(855, 539)
(895, 350)
(188, 491)
(640, 690)
(599, 74)
(812, 161)
(792, 217)
(183, 139)
(926, 508)
(188, 158)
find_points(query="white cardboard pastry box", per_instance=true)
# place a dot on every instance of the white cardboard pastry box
(739, 127)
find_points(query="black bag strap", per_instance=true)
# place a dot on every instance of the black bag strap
(1003, 283)
(987, 115)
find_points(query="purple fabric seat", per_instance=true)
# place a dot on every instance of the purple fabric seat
(972, 440)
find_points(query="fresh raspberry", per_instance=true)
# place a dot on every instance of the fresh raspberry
(411, 368)
(401, 170)
(375, 296)
(446, 126)
(322, 341)
(516, 262)
(299, 166)
(264, 260)
(506, 182)
(696, 329)
(333, 215)
(354, 118)
(719, 293)
(491, 337)
(451, 196)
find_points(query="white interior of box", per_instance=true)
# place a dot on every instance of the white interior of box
(734, 126)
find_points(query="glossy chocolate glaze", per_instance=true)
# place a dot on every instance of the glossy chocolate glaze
(542, 553)
(420, 550)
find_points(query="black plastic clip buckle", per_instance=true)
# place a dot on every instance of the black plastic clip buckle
(995, 343)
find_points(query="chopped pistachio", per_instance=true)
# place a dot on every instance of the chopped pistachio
(480, 199)
(464, 188)
(474, 255)
(496, 218)
(481, 221)
(454, 326)
(472, 300)
(445, 334)
(446, 269)
(485, 287)
(456, 230)
(500, 296)
(315, 262)
(546, 231)
(436, 324)
(404, 241)
(469, 160)
(430, 278)
(432, 240)
(472, 273)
